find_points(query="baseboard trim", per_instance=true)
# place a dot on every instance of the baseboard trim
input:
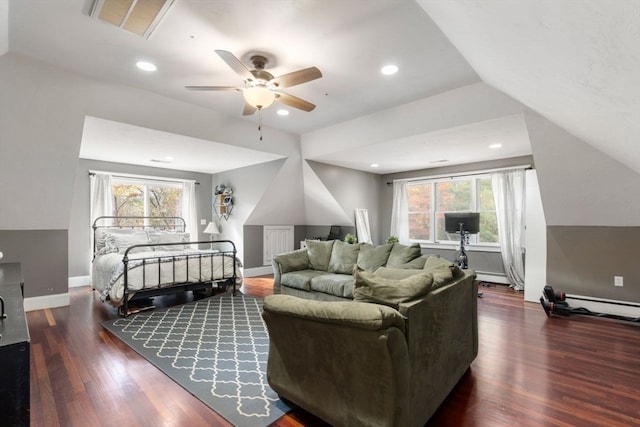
(492, 278)
(77, 281)
(46, 301)
(599, 305)
(257, 271)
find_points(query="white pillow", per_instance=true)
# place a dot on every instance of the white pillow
(102, 234)
(168, 237)
(123, 241)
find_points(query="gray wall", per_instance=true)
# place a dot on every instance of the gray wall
(43, 255)
(584, 261)
(80, 251)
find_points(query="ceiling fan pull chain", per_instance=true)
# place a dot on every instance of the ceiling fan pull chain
(260, 123)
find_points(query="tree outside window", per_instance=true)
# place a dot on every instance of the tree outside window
(429, 200)
(140, 198)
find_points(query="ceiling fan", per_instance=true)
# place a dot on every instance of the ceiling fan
(261, 88)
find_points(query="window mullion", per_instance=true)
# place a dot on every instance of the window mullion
(432, 228)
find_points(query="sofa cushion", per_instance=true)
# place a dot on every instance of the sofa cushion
(319, 254)
(434, 261)
(343, 257)
(391, 292)
(372, 257)
(417, 263)
(299, 279)
(293, 261)
(397, 273)
(340, 285)
(402, 254)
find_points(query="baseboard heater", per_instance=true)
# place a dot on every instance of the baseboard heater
(557, 304)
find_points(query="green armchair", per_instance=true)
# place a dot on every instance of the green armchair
(357, 363)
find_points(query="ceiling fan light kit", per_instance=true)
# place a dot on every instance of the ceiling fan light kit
(261, 88)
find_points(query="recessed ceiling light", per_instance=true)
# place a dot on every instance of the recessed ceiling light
(283, 112)
(375, 165)
(146, 66)
(388, 70)
(494, 146)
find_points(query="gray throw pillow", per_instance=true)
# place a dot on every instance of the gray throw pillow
(319, 254)
(402, 254)
(391, 292)
(372, 257)
(293, 261)
(343, 257)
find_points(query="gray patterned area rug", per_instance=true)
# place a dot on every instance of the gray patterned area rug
(215, 348)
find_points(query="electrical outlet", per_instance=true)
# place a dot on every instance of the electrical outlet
(203, 222)
(618, 281)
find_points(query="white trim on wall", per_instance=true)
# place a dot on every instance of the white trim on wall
(78, 281)
(46, 301)
(257, 271)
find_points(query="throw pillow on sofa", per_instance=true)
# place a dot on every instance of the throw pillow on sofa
(293, 261)
(343, 257)
(391, 292)
(319, 254)
(434, 261)
(402, 254)
(372, 257)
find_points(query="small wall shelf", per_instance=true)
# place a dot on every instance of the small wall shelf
(223, 202)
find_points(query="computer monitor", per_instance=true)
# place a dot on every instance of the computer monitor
(334, 232)
(470, 222)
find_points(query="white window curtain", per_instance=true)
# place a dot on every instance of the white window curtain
(508, 193)
(101, 197)
(189, 211)
(400, 212)
(362, 226)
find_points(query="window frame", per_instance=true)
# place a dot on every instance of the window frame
(145, 183)
(475, 203)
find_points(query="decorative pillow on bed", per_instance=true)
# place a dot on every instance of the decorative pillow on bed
(168, 237)
(104, 234)
(123, 241)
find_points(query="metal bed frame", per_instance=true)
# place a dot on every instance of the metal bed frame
(177, 224)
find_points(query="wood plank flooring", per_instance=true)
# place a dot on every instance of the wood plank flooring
(530, 371)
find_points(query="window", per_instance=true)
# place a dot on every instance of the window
(428, 201)
(135, 197)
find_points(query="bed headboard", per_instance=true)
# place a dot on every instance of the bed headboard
(164, 223)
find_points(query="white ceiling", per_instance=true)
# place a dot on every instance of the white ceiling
(574, 62)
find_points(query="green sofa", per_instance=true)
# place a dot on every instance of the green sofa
(389, 357)
(323, 270)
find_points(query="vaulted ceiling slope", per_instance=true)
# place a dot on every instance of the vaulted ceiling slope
(576, 63)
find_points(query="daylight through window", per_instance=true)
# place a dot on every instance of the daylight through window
(135, 197)
(428, 201)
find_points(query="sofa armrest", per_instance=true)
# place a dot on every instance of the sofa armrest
(345, 362)
(277, 273)
(442, 336)
(354, 314)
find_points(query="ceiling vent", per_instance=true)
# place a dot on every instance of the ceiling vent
(136, 16)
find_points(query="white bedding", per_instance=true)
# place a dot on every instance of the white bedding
(108, 278)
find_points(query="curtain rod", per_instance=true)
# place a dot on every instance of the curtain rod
(142, 177)
(460, 174)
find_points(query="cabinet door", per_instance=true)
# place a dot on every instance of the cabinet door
(277, 239)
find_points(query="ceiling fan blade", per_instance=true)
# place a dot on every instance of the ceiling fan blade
(297, 77)
(248, 109)
(235, 64)
(294, 101)
(237, 89)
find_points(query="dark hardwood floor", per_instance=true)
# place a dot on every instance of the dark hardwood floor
(530, 371)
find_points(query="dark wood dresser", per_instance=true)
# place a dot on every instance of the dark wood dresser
(14, 349)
